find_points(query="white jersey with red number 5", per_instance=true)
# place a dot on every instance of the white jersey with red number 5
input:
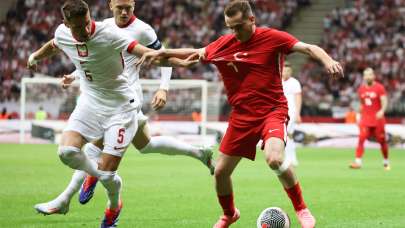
(104, 84)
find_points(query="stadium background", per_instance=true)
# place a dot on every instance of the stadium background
(358, 33)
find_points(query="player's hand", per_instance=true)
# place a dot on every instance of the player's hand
(32, 62)
(67, 80)
(159, 99)
(298, 119)
(149, 57)
(334, 69)
(379, 114)
(190, 60)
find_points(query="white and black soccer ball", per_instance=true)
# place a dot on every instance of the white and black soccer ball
(273, 217)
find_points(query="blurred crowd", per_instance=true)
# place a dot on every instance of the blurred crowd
(178, 23)
(367, 34)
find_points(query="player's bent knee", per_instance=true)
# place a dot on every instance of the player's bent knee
(69, 155)
(282, 168)
(274, 162)
(221, 174)
(110, 178)
(107, 176)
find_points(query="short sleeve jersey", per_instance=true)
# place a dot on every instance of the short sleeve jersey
(103, 83)
(370, 99)
(251, 71)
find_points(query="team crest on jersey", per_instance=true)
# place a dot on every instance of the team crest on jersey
(82, 50)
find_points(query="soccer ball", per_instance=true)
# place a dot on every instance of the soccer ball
(273, 217)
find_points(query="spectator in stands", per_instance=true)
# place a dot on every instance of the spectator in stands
(351, 116)
(32, 22)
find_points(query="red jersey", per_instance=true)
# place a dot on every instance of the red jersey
(370, 99)
(251, 71)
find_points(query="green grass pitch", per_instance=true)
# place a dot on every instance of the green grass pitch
(177, 192)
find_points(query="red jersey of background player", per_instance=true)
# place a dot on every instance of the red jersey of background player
(370, 99)
(251, 71)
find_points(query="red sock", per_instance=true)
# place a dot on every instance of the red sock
(294, 193)
(227, 204)
(360, 147)
(384, 149)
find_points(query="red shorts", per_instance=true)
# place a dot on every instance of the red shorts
(242, 141)
(377, 131)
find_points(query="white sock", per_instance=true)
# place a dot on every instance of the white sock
(171, 146)
(112, 183)
(73, 187)
(358, 161)
(386, 162)
(92, 151)
(290, 153)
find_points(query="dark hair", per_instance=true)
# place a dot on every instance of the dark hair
(242, 6)
(74, 8)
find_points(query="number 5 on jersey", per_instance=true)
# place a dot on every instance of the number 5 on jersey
(87, 73)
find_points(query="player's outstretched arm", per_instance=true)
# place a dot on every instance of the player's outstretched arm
(46, 51)
(333, 67)
(184, 57)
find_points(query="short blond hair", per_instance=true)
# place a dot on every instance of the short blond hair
(368, 70)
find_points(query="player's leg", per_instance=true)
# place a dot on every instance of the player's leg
(274, 148)
(169, 145)
(80, 130)
(274, 135)
(60, 205)
(290, 148)
(120, 130)
(70, 154)
(93, 150)
(364, 133)
(382, 140)
(223, 186)
(235, 144)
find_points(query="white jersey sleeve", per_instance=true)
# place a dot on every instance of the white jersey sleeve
(149, 38)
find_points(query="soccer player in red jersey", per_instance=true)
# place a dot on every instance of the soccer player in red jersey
(373, 103)
(250, 61)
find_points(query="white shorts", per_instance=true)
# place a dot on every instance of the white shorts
(117, 130)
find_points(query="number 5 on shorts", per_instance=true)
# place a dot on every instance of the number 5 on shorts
(121, 133)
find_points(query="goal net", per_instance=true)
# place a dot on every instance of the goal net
(190, 104)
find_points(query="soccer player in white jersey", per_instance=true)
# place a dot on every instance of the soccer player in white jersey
(107, 107)
(128, 25)
(292, 91)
